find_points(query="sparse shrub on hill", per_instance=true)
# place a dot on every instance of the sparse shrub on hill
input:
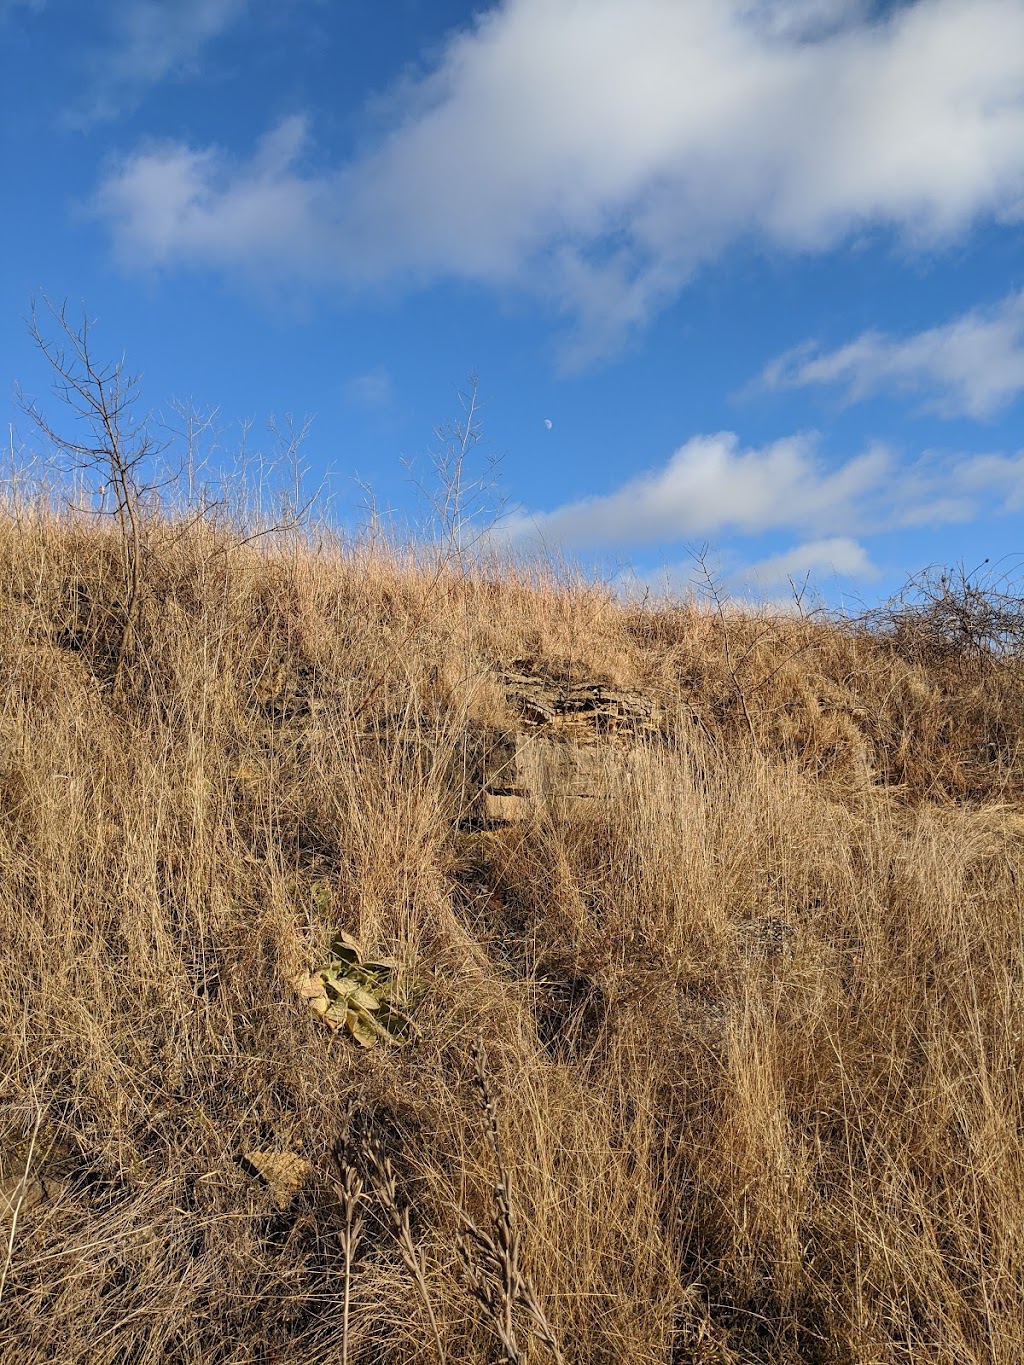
(960, 635)
(955, 615)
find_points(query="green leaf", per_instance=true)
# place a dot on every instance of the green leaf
(364, 998)
(361, 1028)
(339, 987)
(398, 1026)
(344, 947)
(361, 999)
(384, 967)
(322, 896)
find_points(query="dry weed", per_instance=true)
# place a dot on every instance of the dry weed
(785, 1126)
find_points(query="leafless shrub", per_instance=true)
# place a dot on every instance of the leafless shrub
(116, 450)
(954, 614)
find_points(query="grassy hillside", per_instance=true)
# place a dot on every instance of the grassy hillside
(744, 994)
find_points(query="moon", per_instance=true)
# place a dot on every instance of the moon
(548, 423)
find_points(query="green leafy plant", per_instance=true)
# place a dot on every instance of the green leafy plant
(360, 995)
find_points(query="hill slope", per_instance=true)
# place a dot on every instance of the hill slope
(717, 915)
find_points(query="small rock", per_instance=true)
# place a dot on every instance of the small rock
(18, 1194)
(504, 808)
(284, 1172)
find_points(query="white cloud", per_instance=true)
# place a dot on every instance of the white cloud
(972, 366)
(597, 154)
(150, 40)
(839, 556)
(168, 204)
(1000, 476)
(711, 486)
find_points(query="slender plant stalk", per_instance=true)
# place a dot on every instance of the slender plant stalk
(20, 1200)
(351, 1230)
(491, 1262)
(385, 1184)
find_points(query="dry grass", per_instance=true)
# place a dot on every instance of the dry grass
(754, 1025)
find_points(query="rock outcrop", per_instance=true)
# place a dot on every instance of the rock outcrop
(569, 747)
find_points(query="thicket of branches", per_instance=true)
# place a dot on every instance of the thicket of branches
(949, 613)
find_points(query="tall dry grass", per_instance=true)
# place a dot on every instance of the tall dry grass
(753, 1026)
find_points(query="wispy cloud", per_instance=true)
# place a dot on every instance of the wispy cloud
(146, 42)
(374, 389)
(711, 486)
(598, 154)
(972, 366)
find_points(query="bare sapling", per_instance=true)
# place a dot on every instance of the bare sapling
(461, 512)
(462, 508)
(114, 444)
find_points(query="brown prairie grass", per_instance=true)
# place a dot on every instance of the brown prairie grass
(753, 1022)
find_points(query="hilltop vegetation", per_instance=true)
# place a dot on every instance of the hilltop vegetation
(748, 1012)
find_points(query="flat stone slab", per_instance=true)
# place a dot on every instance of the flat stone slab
(550, 768)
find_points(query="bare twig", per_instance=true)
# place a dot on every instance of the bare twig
(458, 501)
(116, 444)
(701, 557)
(943, 613)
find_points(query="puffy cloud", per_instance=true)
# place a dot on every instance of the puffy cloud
(972, 366)
(597, 154)
(711, 486)
(169, 205)
(840, 556)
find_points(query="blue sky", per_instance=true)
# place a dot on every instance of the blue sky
(738, 272)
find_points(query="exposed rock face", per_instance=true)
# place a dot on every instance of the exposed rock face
(581, 710)
(572, 745)
(562, 743)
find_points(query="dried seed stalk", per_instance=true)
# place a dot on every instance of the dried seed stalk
(351, 1229)
(491, 1262)
(385, 1184)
